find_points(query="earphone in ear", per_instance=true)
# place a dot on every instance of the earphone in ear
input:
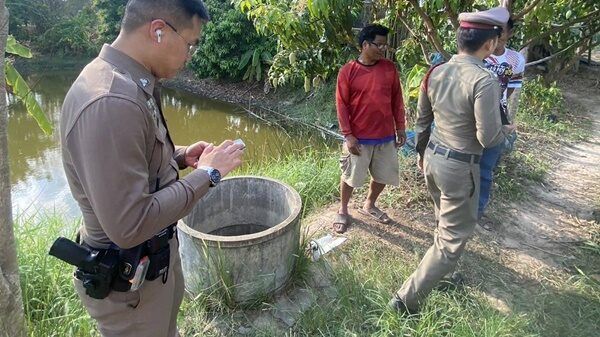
(158, 35)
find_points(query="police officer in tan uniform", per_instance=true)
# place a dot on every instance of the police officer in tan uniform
(122, 166)
(462, 96)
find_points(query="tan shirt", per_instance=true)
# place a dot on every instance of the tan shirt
(118, 156)
(463, 97)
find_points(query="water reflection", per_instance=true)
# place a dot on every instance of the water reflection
(37, 177)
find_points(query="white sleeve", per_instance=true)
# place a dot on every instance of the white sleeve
(520, 67)
(517, 80)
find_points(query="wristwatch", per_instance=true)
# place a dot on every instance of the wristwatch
(213, 175)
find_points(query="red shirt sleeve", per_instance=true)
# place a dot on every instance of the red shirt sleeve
(398, 103)
(342, 99)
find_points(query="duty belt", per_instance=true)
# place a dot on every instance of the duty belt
(464, 157)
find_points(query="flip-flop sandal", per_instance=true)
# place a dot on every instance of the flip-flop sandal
(377, 214)
(340, 224)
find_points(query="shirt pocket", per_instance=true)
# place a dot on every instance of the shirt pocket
(157, 161)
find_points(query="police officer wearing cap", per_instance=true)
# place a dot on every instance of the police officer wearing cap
(122, 166)
(462, 96)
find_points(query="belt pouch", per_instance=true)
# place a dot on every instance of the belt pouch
(159, 264)
(129, 261)
(159, 254)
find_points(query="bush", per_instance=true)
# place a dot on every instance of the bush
(76, 36)
(109, 14)
(225, 39)
(543, 111)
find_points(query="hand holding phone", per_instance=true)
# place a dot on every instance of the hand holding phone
(240, 142)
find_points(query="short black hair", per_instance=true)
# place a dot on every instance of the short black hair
(139, 12)
(369, 32)
(471, 39)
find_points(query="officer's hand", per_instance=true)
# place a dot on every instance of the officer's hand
(193, 152)
(225, 157)
(400, 138)
(352, 144)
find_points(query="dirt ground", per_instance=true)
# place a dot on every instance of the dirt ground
(530, 237)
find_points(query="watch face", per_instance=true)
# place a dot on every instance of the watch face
(215, 176)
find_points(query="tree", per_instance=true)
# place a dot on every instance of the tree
(12, 322)
(31, 18)
(110, 13)
(227, 42)
(314, 37)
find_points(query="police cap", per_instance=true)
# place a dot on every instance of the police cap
(493, 18)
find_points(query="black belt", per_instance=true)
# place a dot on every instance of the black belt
(464, 157)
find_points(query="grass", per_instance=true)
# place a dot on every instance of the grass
(316, 107)
(52, 307)
(364, 274)
(313, 173)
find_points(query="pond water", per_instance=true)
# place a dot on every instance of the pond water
(37, 177)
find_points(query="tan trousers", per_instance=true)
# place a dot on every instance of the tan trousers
(454, 187)
(380, 160)
(150, 311)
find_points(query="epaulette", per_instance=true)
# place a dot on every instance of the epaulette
(123, 83)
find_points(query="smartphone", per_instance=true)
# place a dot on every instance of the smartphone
(140, 274)
(241, 142)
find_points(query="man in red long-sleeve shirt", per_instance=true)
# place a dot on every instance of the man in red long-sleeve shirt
(370, 112)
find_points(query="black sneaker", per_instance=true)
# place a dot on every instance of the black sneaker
(455, 281)
(397, 305)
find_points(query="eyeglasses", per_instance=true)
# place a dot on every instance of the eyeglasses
(382, 46)
(191, 47)
(498, 30)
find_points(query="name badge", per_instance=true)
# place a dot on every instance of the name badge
(151, 104)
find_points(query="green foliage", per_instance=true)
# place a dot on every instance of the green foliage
(314, 37)
(31, 18)
(110, 13)
(544, 112)
(226, 42)
(412, 88)
(365, 274)
(20, 88)
(314, 174)
(252, 61)
(74, 36)
(15, 48)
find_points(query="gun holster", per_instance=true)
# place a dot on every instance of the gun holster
(97, 283)
(103, 270)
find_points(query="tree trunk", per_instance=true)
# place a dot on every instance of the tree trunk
(12, 321)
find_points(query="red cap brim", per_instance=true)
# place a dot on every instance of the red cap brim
(476, 25)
